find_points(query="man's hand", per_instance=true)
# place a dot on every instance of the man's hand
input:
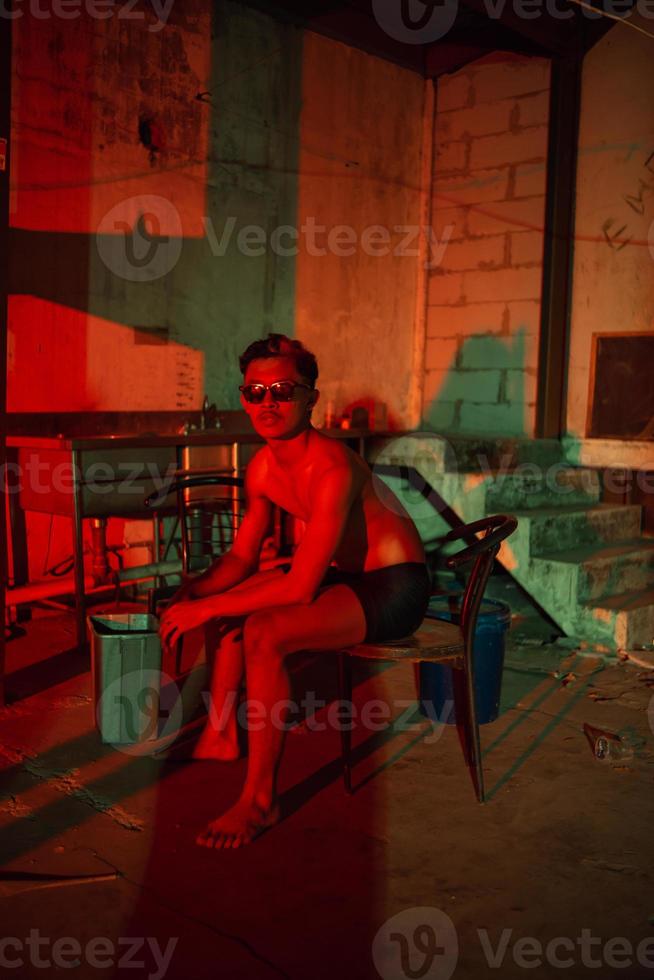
(181, 618)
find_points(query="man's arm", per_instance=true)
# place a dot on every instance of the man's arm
(331, 509)
(333, 502)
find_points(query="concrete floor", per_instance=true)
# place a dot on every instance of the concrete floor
(410, 877)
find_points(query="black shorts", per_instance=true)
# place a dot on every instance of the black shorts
(394, 599)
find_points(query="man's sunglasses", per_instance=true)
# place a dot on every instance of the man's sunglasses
(282, 391)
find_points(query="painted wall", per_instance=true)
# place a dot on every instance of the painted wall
(161, 184)
(169, 221)
(139, 156)
(613, 263)
(127, 221)
(483, 315)
(359, 211)
(82, 176)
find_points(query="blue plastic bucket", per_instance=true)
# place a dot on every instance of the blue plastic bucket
(437, 681)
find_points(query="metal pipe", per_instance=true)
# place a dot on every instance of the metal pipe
(78, 551)
(236, 468)
(100, 562)
(152, 570)
(34, 591)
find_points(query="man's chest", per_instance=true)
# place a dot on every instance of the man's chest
(292, 493)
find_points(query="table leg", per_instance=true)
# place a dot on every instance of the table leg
(236, 465)
(78, 553)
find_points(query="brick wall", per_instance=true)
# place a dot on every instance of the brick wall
(613, 285)
(488, 210)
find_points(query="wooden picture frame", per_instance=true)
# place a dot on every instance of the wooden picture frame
(594, 428)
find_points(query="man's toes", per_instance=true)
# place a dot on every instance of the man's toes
(206, 838)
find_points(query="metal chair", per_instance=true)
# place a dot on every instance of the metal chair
(219, 515)
(441, 642)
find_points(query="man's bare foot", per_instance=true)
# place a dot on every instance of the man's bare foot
(239, 825)
(221, 746)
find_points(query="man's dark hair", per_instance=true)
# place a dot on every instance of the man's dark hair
(279, 345)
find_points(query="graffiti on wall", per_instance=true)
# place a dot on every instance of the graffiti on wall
(637, 200)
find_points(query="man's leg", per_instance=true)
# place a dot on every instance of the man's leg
(224, 644)
(219, 738)
(333, 620)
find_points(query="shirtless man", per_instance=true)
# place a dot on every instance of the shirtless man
(357, 574)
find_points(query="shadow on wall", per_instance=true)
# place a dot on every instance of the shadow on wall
(154, 246)
(488, 388)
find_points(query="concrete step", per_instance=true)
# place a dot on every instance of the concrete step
(464, 454)
(629, 617)
(529, 488)
(578, 575)
(554, 529)
(479, 453)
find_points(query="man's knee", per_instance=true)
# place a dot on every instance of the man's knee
(263, 634)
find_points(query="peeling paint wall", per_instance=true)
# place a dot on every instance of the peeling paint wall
(238, 282)
(161, 185)
(149, 156)
(108, 137)
(483, 316)
(613, 263)
(359, 215)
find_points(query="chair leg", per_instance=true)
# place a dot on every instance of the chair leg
(473, 729)
(345, 694)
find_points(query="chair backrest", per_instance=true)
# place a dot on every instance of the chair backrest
(193, 513)
(482, 552)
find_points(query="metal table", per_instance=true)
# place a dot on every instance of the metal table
(111, 476)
